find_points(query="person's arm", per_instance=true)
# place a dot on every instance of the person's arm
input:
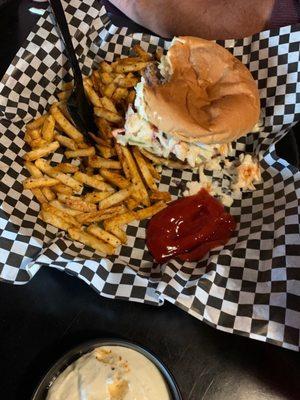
(210, 19)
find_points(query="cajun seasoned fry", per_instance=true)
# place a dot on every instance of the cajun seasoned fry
(98, 162)
(120, 220)
(152, 169)
(92, 95)
(122, 160)
(105, 67)
(131, 97)
(115, 198)
(90, 151)
(54, 220)
(140, 191)
(63, 189)
(41, 152)
(90, 240)
(108, 104)
(115, 178)
(95, 197)
(93, 182)
(66, 141)
(118, 232)
(39, 195)
(106, 151)
(164, 196)
(104, 235)
(144, 169)
(67, 180)
(37, 123)
(66, 168)
(32, 183)
(125, 82)
(149, 211)
(108, 115)
(101, 215)
(66, 125)
(64, 95)
(120, 94)
(77, 203)
(109, 90)
(141, 53)
(132, 203)
(48, 193)
(66, 210)
(134, 67)
(60, 213)
(104, 128)
(106, 78)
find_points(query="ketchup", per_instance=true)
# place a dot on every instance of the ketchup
(188, 228)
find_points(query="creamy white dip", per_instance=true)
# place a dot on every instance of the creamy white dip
(110, 373)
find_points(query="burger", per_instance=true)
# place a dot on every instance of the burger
(192, 105)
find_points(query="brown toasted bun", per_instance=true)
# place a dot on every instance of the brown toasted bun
(211, 97)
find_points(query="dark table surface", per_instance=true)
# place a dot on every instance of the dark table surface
(54, 312)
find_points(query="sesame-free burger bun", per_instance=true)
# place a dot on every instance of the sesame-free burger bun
(209, 97)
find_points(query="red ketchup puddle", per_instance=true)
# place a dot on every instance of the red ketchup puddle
(188, 228)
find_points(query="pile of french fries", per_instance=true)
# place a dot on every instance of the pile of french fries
(101, 187)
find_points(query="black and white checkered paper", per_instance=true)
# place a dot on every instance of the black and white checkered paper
(251, 286)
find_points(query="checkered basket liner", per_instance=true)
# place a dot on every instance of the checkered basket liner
(251, 286)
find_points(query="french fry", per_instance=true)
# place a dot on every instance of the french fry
(41, 152)
(140, 191)
(141, 52)
(66, 210)
(48, 129)
(54, 220)
(108, 115)
(106, 78)
(106, 151)
(108, 104)
(64, 95)
(66, 141)
(104, 235)
(144, 169)
(115, 179)
(27, 137)
(66, 125)
(109, 90)
(98, 162)
(104, 128)
(48, 193)
(83, 145)
(67, 180)
(33, 170)
(32, 183)
(91, 241)
(66, 168)
(77, 203)
(149, 211)
(136, 66)
(120, 94)
(118, 232)
(132, 203)
(121, 220)
(122, 160)
(164, 196)
(92, 95)
(37, 123)
(93, 182)
(35, 133)
(125, 82)
(101, 215)
(63, 189)
(152, 169)
(60, 213)
(115, 198)
(38, 143)
(39, 195)
(90, 151)
(95, 197)
(105, 67)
